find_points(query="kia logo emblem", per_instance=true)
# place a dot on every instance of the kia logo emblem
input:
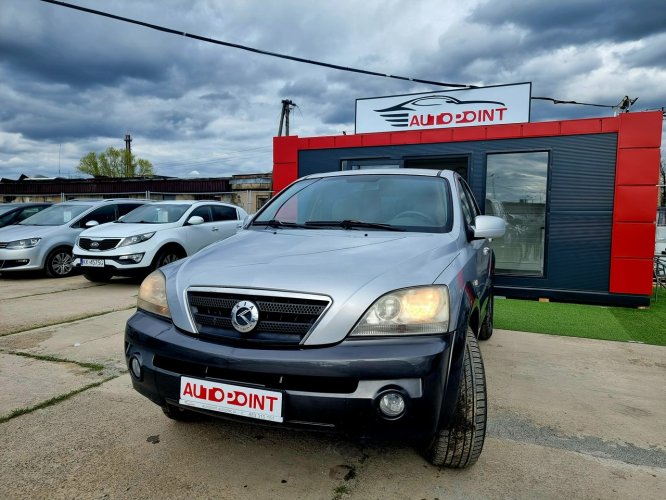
(245, 316)
(94, 244)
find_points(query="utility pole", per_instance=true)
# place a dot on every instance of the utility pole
(128, 155)
(287, 106)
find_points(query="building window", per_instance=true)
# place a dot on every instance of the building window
(516, 190)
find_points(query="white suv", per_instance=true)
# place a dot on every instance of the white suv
(154, 235)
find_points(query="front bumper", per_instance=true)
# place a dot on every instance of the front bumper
(26, 259)
(332, 388)
(118, 262)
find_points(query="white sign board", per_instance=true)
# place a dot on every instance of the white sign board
(445, 109)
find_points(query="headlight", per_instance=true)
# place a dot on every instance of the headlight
(152, 295)
(133, 240)
(412, 311)
(20, 244)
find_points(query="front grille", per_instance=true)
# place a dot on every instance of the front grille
(105, 244)
(3, 244)
(305, 383)
(283, 320)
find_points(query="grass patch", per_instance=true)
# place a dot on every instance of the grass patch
(96, 367)
(52, 401)
(621, 324)
(340, 491)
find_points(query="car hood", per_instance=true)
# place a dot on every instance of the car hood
(122, 230)
(353, 268)
(21, 231)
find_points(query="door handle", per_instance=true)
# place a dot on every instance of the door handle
(215, 229)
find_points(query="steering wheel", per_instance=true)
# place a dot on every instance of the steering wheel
(413, 215)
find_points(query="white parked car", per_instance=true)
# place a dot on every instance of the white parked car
(154, 235)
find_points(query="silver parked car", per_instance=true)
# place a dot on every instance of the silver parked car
(352, 301)
(45, 240)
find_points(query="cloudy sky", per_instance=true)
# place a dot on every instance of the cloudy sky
(72, 82)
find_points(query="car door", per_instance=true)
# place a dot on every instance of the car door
(227, 220)
(479, 250)
(200, 235)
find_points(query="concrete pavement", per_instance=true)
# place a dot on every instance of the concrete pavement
(568, 418)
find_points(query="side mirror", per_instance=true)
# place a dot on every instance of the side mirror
(488, 226)
(92, 223)
(195, 220)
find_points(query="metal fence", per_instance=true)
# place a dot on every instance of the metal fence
(249, 199)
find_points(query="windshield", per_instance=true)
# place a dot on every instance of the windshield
(379, 202)
(155, 214)
(57, 215)
(6, 208)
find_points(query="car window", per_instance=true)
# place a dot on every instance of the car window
(203, 212)
(466, 206)
(57, 215)
(157, 213)
(221, 213)
(474, 207)
(102, 215)
(28, 212)
(125, 208)
(7, 217)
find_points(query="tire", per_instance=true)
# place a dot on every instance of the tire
(460, 445)
(98, 276)
(179, 414)
(486, 330)
(59, 263)
(167, 256)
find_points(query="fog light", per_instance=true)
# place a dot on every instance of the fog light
(135, 257)
(392, 404)
(135, 367)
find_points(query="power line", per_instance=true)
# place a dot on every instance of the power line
(297, 59)
(558, 101)
(252, 49)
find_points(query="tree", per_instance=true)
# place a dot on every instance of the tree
(115, 163)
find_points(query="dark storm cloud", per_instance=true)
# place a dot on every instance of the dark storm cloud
(576, 21)
(84, 81)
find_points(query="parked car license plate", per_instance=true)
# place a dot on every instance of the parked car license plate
(92, 262)
(234, 399)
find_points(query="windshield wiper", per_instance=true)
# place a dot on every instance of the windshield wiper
(352, 224)
(279, 223)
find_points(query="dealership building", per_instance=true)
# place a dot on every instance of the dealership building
(579, 196)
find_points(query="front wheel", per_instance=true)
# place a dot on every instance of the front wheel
(460, 445)
(59, 263)
(166, 256)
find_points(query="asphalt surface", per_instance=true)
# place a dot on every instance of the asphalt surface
(568, 417)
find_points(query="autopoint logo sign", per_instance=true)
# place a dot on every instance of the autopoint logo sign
(445, 109)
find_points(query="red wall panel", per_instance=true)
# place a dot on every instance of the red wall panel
(632, 276)
(640, 130)
(633, 239)
(637, 167)
(581, 127)
(635, 204)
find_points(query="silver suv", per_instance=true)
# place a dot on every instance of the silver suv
(45, 240)
(352, 301)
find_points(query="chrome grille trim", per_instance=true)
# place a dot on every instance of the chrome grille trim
(285, 317)
(104, 244)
